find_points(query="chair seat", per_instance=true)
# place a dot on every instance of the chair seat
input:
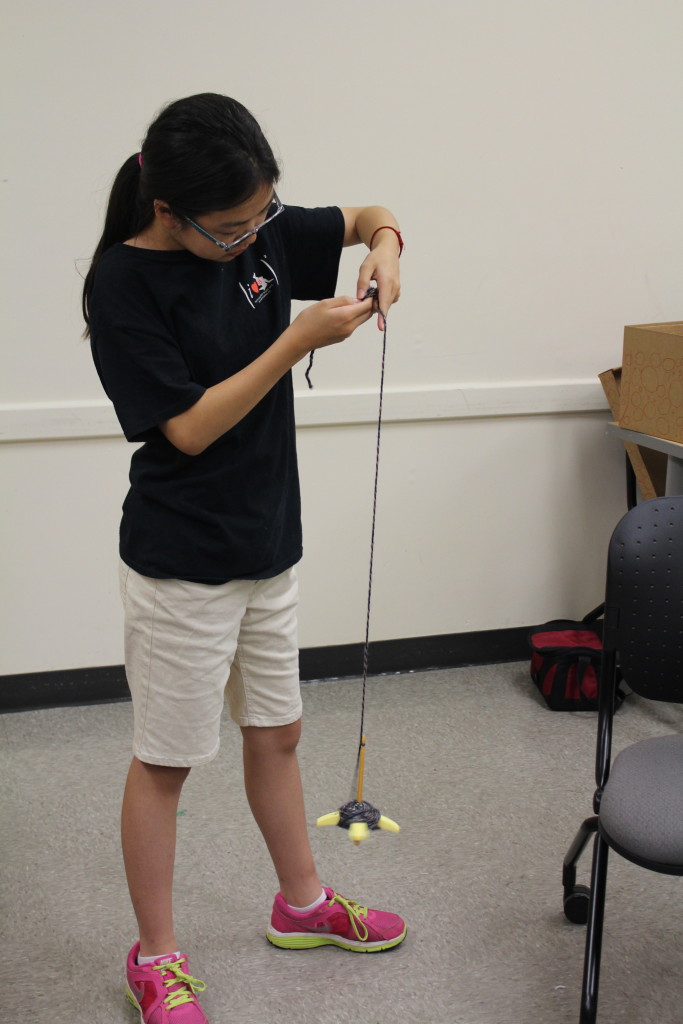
(641, 811)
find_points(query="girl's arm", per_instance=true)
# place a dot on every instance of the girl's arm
(226, 403)
(377, 228)
(325, 323)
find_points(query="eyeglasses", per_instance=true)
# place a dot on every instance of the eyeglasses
(274, 210)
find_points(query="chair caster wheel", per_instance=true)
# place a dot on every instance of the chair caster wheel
(576, 904)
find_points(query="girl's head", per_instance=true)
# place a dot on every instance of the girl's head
(202, 155)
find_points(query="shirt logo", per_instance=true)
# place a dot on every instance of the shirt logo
(256, 290)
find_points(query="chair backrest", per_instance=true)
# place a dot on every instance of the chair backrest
(644, 598)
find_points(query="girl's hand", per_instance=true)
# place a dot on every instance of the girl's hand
(330, 321)
(381, 265)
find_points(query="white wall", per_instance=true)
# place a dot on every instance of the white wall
(533, 154)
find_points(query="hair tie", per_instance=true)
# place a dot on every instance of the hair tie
(140, 159)
(388, 227)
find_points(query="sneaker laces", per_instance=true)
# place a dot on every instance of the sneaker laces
(355, 912)
(190, 985)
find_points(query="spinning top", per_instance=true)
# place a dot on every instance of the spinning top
(358, 816)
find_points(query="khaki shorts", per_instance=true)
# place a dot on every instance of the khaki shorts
(190, 644)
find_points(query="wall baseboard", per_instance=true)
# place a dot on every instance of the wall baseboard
(31, 691)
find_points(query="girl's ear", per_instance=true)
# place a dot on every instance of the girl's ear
(162, 212)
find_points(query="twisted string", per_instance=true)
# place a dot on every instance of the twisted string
(366, 647)
(308, 370)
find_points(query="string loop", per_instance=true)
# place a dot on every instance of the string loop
(366, 646)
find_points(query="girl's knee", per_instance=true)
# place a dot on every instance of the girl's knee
(290, 735)
(281, 739)
(158, 775)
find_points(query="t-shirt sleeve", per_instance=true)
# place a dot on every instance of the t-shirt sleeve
(141, 367)
(313, 241)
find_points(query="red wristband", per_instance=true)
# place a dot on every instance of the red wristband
(388, 227)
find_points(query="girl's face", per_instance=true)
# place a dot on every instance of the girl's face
(227, 226)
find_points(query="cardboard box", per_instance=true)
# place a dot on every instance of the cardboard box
(648, 465)
(652, 380)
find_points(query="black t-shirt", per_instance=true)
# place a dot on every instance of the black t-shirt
(166, 325)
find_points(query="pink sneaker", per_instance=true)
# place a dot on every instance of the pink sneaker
(337, 922)
(164, 992)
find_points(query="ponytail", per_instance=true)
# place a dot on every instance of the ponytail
(201, 153)
(127, 215)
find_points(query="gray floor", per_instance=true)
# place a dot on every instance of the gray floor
(489, 788)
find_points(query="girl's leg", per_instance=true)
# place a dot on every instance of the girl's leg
(273, 786)
(148, 835)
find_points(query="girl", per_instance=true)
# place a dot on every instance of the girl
(187, 304)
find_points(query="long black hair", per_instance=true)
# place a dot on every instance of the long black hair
(201, 153)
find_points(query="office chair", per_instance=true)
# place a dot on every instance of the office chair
(638, 802)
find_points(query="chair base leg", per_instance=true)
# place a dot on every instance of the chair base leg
(596, 914)
(576, 897)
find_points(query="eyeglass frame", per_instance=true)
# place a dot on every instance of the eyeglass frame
(229, 246)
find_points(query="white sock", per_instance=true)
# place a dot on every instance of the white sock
(313, 906)
(142, 960)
